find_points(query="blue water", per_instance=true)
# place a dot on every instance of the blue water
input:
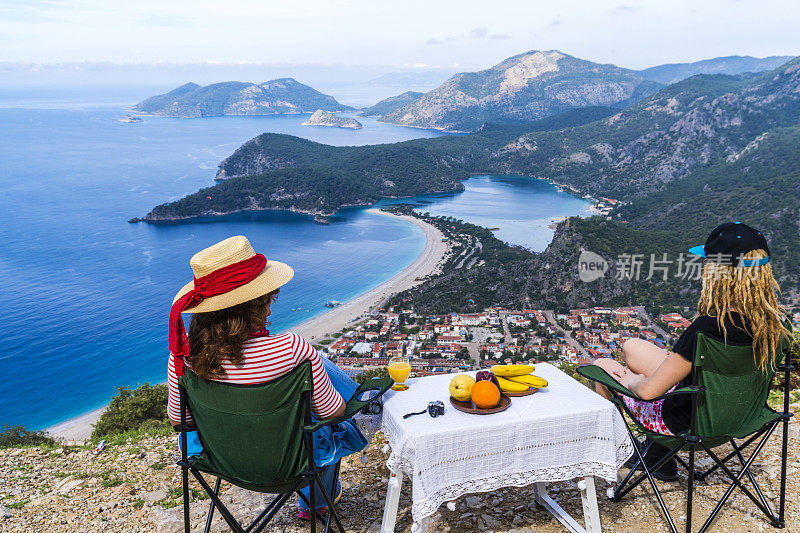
(86, 295)
(521, 207)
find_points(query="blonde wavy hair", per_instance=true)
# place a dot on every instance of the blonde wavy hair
(751, 292)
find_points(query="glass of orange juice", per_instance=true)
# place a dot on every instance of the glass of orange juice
(399, 368)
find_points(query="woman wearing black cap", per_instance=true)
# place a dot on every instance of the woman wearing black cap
(737, 304)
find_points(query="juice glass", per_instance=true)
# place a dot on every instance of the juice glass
(399, 368)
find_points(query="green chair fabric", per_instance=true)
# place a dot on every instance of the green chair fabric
(252, 435)
(259, 437)
(731, 403)
(731, 392)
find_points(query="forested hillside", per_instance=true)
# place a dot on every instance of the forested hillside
(278, 171)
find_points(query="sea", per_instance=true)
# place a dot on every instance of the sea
(85, 295)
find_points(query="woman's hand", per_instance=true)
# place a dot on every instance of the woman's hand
(627, 378)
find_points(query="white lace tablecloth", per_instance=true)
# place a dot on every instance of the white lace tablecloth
(559, 433)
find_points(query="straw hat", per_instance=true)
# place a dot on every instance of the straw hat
(227, 252)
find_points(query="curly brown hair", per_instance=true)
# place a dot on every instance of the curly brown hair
(216, 336)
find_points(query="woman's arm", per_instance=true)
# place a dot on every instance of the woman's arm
(669, 373)
(326, 402)
(339, 411)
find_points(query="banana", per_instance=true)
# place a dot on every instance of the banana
(511, 386)
(511, 370)
(534, 381)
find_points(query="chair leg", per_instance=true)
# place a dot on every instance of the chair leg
(268, 510)
(267, 514)
(185, 483)
(329, 503)
(752, 479)
(702, 475)
(226, 514)
(690, 489)
(784, 455)
(736, 481)
(618, 493)
(313, 506)
(211, 506)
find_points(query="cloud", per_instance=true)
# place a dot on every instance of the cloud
(166, 21)
(32, 12)
(479, 33)
(625, 8)
(555, 22)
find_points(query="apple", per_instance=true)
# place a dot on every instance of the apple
(461, 387)
(487, 375)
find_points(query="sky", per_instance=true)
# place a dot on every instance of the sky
(460, 34)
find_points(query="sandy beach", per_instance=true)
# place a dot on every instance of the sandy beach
(80, 428)
(426, 264)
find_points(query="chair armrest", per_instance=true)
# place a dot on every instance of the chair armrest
(597, 374)
(354, 405)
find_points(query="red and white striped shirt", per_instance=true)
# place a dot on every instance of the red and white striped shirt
(264, 359)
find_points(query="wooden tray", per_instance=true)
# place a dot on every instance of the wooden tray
(471, 408)
(528, 392)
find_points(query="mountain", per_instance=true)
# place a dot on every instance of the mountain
(699, 152)
(324, 118)
(685, 128)
(280, 96)
(731, 65)
(521, 89)
(390, 105)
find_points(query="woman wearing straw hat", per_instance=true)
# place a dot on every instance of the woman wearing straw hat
(230, 299)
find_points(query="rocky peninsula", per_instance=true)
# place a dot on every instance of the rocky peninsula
(325, 118)
(275, 97)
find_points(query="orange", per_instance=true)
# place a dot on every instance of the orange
(485, 394)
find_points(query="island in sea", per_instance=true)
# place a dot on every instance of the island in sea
(325, 118)
(276, 97)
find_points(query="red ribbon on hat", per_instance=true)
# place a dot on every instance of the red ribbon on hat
(218, 282)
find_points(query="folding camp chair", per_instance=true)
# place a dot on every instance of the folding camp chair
(259, 437)
(729, 402)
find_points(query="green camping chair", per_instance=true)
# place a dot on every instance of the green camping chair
(729, 402)
(258, 437)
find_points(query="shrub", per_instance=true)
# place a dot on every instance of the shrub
(19, 436)
(369, 374)
(129, 410)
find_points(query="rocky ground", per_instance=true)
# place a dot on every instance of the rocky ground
(135, 487)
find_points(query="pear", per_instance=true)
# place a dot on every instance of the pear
(461, 387)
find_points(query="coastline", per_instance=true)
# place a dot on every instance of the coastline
(80, 427)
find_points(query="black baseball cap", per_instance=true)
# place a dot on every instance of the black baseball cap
(729, 242)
